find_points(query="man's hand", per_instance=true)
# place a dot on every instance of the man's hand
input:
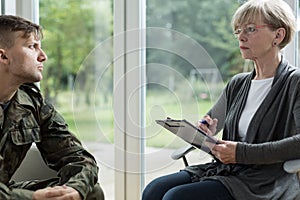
(56, 193)
(225, 151)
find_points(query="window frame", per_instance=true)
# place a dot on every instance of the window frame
(129, 99)
(291, 50)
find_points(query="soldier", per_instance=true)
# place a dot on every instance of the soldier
(26, 118)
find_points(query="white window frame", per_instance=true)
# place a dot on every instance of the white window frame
(291, 50)
(129, 97)
(8, 7)
(28, 9)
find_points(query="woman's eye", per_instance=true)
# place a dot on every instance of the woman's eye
(251, 29)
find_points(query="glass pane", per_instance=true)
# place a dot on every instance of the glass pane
(78, 77)
(191, 53)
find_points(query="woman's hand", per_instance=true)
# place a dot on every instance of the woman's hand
(225, 151)
(57, 193)
(208, 125)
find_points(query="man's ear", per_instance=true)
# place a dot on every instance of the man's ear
(3, 57)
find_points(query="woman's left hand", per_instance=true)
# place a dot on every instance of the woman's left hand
(225, 151)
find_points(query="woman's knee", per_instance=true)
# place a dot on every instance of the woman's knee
(174, 194)
(152, 190)
(159, 186)
(208, 189)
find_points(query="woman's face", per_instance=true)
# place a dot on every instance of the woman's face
(256, 40)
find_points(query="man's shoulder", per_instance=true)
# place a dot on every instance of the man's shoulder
(29, 93)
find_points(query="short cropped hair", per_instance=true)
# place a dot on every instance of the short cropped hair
(10, 25)
(277, 13)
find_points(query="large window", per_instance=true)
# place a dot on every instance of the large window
(191, 53)
(78, 76)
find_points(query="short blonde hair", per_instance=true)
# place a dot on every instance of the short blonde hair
(274, 12)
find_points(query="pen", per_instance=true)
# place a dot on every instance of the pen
(203, 121)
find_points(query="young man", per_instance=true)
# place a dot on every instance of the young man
(26, 118)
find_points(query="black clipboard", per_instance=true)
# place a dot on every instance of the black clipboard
(189, 133)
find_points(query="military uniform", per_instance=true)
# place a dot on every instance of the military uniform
(29, 119)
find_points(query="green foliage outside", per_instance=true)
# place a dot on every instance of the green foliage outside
(74, 28)
(208, 22)
(70, 34)
(100, 127)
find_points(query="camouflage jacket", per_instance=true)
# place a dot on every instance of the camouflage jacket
(29, 119)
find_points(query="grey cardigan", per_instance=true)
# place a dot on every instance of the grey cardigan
(273, 137)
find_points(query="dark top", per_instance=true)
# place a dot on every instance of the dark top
(272, 138)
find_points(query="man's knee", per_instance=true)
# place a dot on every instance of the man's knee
(96, 194)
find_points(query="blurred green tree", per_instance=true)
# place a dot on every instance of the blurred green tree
(71, 32)
(208, 22)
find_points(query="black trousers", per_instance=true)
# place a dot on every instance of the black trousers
(179, 186)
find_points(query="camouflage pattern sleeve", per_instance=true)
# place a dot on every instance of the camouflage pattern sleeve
(64, 153)
(14, 194)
